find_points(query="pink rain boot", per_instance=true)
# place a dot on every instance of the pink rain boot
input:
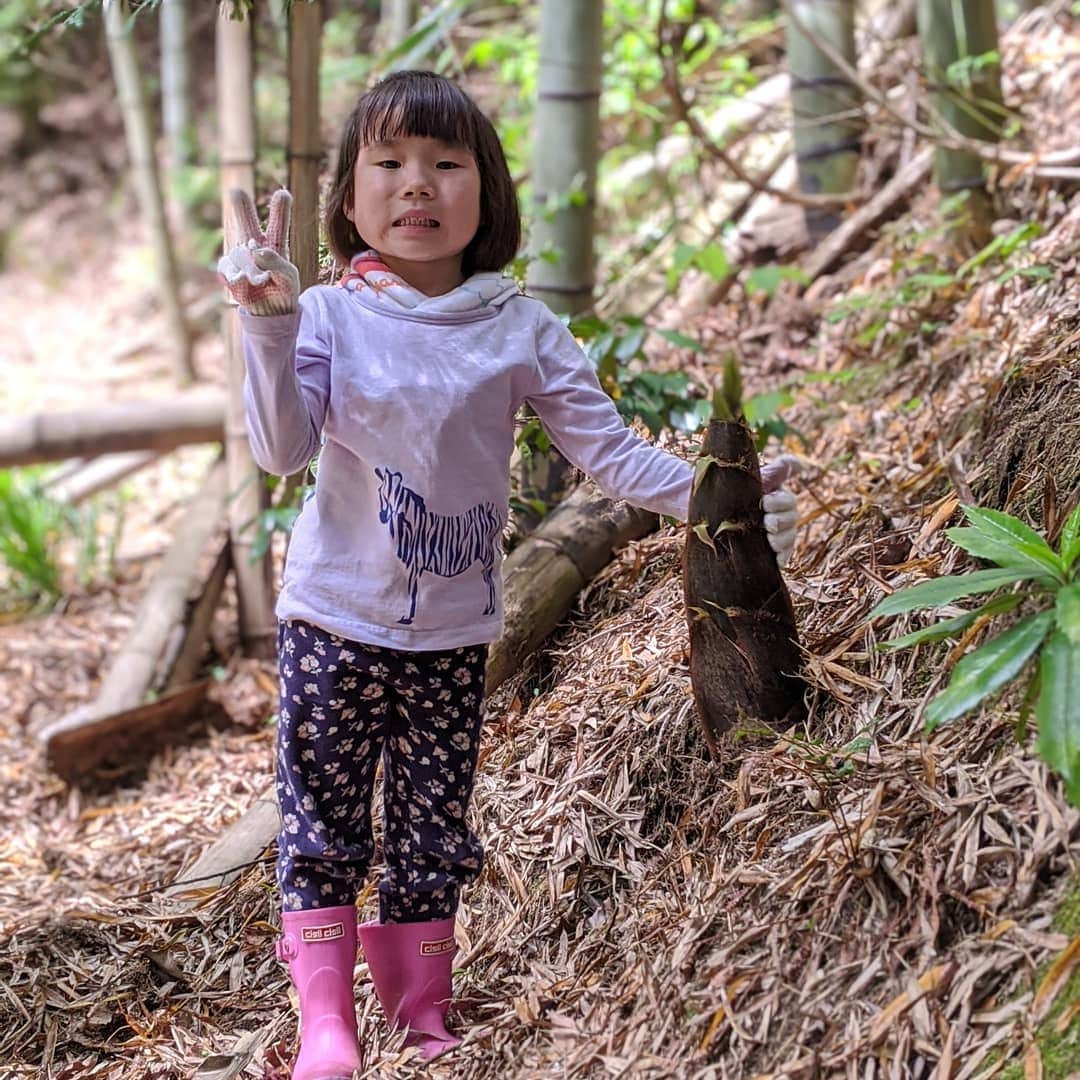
(319, 946)
(410, 965)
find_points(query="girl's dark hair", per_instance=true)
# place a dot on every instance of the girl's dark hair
(424, 104)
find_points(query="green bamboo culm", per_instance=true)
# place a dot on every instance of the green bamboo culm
(828, 122)
(561, 268)
(960, 63)
(566, 154)
(727, 397)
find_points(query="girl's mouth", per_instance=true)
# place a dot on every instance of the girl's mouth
(416, 222)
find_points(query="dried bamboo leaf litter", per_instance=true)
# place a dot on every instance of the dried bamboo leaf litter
(866, 902)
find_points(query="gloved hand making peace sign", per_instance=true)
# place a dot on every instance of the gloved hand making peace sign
(257, 271)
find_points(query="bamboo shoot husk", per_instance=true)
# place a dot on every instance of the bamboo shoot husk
(744, 654)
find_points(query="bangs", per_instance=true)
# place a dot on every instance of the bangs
(426, 108)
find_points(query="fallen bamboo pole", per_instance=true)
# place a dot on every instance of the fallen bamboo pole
(197, 417)
(541, 578)
(81, 740)
(99, 473)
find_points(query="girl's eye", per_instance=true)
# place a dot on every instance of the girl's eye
(388, 162)
(448, 164)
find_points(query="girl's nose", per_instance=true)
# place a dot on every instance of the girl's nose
(417, 186)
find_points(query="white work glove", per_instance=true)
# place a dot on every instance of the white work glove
(257, 271)
(779, 505)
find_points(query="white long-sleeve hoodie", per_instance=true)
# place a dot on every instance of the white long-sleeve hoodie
(400, 544)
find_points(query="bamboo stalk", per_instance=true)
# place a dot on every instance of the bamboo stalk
(140, 146)
(952, 31)
(824, 105)
(564, 185)
(236, 119)
(176, 83)
(396, 19)
(567, 146)
(304, 153)
(196, 417)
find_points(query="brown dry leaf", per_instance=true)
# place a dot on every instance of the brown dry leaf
(930, 982)
(1054, 980)
(1033, 1065)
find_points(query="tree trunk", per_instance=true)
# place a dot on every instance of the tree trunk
(140, 146)
(744, 653)
(954, 32)
(196, 417)
(564, 185)
(824, 105)
(541, 578)
(248, 493)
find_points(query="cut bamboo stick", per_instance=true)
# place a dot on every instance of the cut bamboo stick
(81, 740)
(198, 417)
(99, 473)
(122, 738)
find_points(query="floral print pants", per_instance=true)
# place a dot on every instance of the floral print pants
(342, 705)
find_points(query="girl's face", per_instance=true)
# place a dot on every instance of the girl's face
(416, 200)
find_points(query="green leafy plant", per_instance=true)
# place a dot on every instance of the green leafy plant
(283, 514)
(1050, 631)
(920, 280)
(659, 398)
(31, 526)
(34, 530)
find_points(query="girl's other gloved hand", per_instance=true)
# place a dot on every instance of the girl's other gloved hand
(257, 271)
(779, 505)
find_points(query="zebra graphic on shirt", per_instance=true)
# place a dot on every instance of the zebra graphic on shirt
(443, 544)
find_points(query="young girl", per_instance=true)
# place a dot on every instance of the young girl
(410, 375)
